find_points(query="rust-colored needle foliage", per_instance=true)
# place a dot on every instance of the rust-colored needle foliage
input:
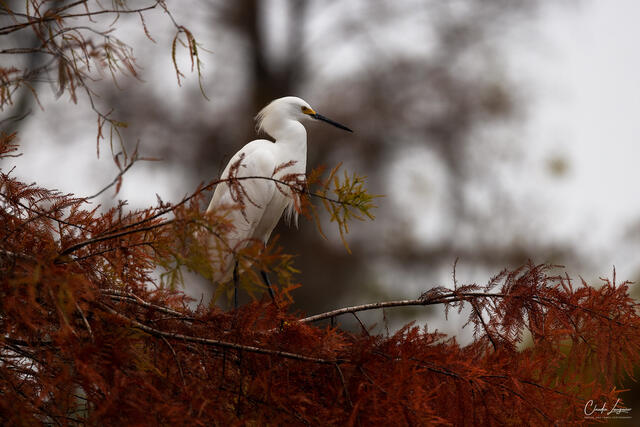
(89, 334)
(87, 337)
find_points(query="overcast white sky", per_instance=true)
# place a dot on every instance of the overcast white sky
(587, 70)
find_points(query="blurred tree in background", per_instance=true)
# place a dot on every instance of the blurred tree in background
(422, 83)
(418, 81)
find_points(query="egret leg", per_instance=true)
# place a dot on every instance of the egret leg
(235, 286)
(266, 281)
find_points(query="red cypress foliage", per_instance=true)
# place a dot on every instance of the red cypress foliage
(87, 336)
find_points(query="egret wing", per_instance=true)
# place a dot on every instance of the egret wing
(245, 201)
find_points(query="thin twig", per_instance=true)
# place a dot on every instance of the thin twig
(105, 251)
(87, 242)
(484, 325)
(175, 356)
(115, 180)
(364, 329)
(63, 316)
(294, 187)
(522, 398)
(344, 386)
(85, 321)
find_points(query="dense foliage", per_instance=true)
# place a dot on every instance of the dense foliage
(89, 337)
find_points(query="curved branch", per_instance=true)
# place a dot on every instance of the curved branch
(133, 298)
(216, 343)
(451, 297)
(110, 236)
(126, 229)
(365, 307)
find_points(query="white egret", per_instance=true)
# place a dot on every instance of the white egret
(254, 206)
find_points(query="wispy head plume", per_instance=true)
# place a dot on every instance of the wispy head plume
(260, 118)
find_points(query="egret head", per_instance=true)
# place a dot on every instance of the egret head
(280, 110)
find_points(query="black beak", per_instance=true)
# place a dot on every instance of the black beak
(331, 122)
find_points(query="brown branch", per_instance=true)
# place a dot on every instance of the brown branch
(217, 343)
(102, 252)
(444, 371)
(33, 20)
(344, 386)
(364, 329)
(169, 209)
(532, 383)
(85, 321)
(452, 297)
(175, 356)
(365, 307)
(123, 231)
(484, 325)
(115, 180)
(430, 366)
(45, 214)
(87, 242)
(294, 187)
(216, 182)
(133, 298)
(522, 398)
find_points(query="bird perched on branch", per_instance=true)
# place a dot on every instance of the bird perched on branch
(254, 194)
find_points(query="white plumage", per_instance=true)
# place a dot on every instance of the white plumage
(254, 206)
